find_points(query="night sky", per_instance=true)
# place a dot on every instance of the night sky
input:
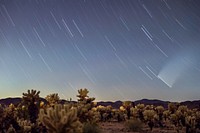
(118, 49)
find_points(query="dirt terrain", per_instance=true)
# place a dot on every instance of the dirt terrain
(115, 127)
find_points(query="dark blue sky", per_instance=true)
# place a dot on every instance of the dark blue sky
(118, 49)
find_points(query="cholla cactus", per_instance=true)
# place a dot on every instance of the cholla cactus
(26, 125)
(83, 96)
(22, 112)
(134, 112)
(172, 107)
(11, 129)
(86, 113)
(149, 116)
(122, 109)
(193, 121)
(197, 114)
(166, 114)
(118, 114)
(140, 108)
(149, 107)
(174, 119)
(190, 124)
(85, 105)
(127, 105)
(160, 110)
(61, 119)
(105, 113)
(183, 109)
(52, 99)
(30, 99)
(182, 113)
(8, 121)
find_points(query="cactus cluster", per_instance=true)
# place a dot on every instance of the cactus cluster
(52, 99)
(85, 105)
(61, 119)
(127, 105)
(34, 115)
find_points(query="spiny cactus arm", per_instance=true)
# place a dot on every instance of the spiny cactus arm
(57, 112)
(49, 124)
(82, 94)
(70, 121)
(31, 96)
(127, 104)
(52, 99)
(61, 119)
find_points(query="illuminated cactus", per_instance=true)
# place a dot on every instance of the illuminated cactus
(149, 117)
(30, 99)
(105, 112)
(179, 116)
(83, 96)
(61, 119)
(85, 105)
(160, 110)
(182, 114)
(197, 114)
(121, 114)
(52, 99)
(175, 120)
(172, 107)
(166, 114)
(25, 125)
(190, 124)
(134, 112)
(127, 105)
(140, 108)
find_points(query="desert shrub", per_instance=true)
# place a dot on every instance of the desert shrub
(134, 125)
(91, 128)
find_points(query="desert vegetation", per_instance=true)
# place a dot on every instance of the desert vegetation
(52, 115)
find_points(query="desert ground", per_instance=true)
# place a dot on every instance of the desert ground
(118, 127)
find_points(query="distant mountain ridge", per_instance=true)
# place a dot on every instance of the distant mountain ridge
(117, 104)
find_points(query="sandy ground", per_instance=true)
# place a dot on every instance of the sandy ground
(115, 127)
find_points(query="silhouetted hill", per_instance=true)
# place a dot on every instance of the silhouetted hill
(154, 102)
(192, 104)
(117, 104)
(9, 100)
(15, 101)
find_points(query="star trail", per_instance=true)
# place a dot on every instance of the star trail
(118, 49)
